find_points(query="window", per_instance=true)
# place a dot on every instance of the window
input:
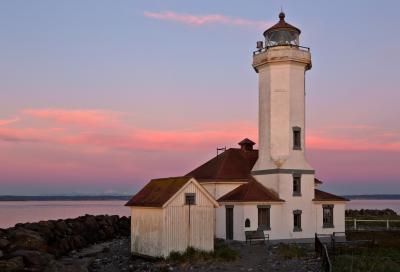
(327, 214)
(264, 217)
(296, 138)
(247, 223)
(297, 220)
(190, 199)
(296, 184)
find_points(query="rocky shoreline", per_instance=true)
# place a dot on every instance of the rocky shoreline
(38, 246)
(102, 244)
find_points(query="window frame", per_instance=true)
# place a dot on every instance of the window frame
(297, 213)
(296, 138)
(267, 225)
(297, 178)
(328, 224)
(188, 196)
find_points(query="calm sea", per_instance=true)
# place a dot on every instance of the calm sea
(12, 212)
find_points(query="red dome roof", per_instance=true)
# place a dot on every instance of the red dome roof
(282, 25)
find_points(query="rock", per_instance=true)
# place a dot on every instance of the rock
(11, 265)
(1, 254)
(33, 258)
(4, 243)
(26, 239)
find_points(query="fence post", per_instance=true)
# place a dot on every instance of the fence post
(355, 223)
(387, 224)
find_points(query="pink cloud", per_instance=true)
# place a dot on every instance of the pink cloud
(201, 20)
(4, 122)
(91, 118)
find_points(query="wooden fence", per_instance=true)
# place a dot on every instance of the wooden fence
(359, 224)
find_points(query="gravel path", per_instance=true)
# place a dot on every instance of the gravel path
(115, 256)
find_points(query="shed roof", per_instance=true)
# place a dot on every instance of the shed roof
(324, 196)
(157, 192)
(253, 191)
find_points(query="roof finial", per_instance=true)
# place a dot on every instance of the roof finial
(282, 15)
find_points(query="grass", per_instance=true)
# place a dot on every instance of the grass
(191, 255)
(383, 255)
(291, 251)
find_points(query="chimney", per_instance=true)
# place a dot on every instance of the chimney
(246, 144)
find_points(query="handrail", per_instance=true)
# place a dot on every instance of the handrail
(258, 51)
(322, 250)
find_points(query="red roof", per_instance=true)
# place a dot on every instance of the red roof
(282, 25)
(324, 196)
(253, 191)
(157, 192)
(233, 165)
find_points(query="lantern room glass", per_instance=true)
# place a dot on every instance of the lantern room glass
(282, 37)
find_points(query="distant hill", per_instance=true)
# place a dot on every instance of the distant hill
(63, 198)
(376, 197)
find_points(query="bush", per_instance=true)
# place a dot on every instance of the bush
(191, 255)
(291, 251)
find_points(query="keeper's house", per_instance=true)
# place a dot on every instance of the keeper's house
(171, 214)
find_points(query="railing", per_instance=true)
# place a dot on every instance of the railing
(385, 221)
(322, 251)
(261, 50)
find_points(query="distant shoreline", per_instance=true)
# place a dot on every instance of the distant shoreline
(63, 198)
(125, 197)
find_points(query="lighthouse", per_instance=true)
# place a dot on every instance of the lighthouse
(266, 193)
(281, 66)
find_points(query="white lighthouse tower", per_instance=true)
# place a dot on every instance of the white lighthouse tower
(282, 166)
(281, 66)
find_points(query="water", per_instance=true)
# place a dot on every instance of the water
(12, 212)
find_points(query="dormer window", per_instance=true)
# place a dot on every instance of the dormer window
(296, 138)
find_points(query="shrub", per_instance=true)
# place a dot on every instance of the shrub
(291, 251)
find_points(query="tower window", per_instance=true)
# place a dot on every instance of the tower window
(296, 184)
(190, 199)
(297, 220)
(296, 138)
(327, 211)
(264, 217)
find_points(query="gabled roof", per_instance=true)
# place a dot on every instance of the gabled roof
(157, 192)
(233, 164)
(253, 191)
(324, 196)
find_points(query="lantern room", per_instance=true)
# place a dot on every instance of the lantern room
(282, 33)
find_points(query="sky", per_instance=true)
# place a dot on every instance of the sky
(101, 96)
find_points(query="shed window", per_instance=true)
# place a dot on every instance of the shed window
(264, 217)
(296, 184)
(247, 223)
(296, 138)
(297, 220)
(190, 199)
(327, 211)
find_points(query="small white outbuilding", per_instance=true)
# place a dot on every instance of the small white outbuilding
(171, 214)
